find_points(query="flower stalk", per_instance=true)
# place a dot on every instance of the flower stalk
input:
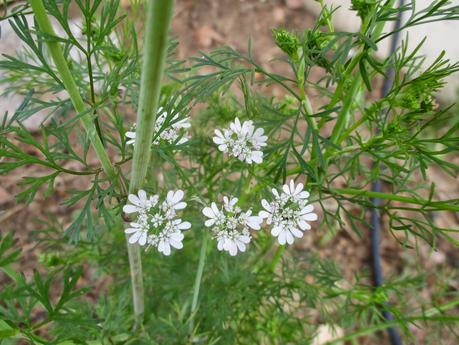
(69, 83)
(158, 19)
(198, 279)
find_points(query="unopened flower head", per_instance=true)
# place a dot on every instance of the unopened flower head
(156, 223)
(242, 141)
(175, 132)
(230, 226)
(288, 213)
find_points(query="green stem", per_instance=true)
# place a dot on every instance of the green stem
(276, 258)
(71, 87)
(155, 46)
(343, 116)
(159, 15)
(327, 14)
(91, 77)
(440, 205)
(198, 279)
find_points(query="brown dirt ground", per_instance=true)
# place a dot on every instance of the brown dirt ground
(205, 24)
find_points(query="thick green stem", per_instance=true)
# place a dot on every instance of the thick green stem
(158, 19)
(198, 279)
(71, 87)
(155, 46)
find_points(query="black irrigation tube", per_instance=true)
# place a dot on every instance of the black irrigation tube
(378, 276)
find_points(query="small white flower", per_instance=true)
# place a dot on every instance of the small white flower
(230, 226)
(173, 133)
(242, 141)
(175, 130)
(131, 136)
(139, 233)
(140, 202)
(157, 224)
(288, 213)
(171, 237)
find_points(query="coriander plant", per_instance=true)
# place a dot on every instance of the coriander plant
(186, 231)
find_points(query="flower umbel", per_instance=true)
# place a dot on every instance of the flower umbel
(288, 213)
(242, 141)
(230, 226)
(173, 133)
(157, 223)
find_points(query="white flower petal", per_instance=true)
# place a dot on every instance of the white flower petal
(179, 194)
(282, 238)
(143, 238)
(254, 222)
(257, 156)
(166, 248)
(180, 205)
(297, 233)
(286, 189)
(176, 244)
(303, 225)
(209, 222)
(266, 205)
(215, 209)
(240, 246)
(263, 214)
(134, 199)
(291, 188)
(184, 226)
(276, 230)
(177, 236)
(208, 212)
(298, 188)
(307, 209)
(135, 237)
(232, 248)
(130, 209)
(310, 217)
(303, 195)
(130, 230)
(142, 196)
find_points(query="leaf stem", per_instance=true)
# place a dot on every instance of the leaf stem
(91, 77)
(343, 116)
(159, 15)
(198, 279)
(71, 87)
(439, 205)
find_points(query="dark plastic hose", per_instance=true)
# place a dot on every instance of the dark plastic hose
(378, 276)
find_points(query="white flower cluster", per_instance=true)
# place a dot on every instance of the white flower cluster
(288, 213)
(242, 141)
(157, 223)
(175, 133)
(231, 226)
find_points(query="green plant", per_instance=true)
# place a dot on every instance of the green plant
(201, 295)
